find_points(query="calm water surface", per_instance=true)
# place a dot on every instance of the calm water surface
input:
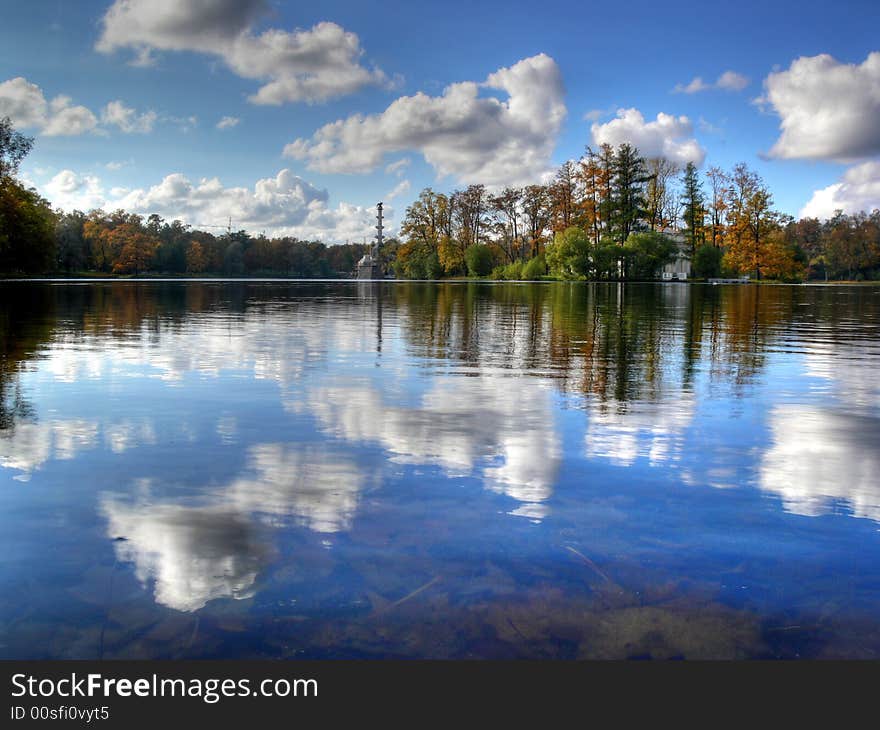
(293, 469)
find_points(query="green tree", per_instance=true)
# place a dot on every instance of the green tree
(27, 230)
(648, 252)
(479, 260)
(568, 257)
(14, 147)
(72, 249)
(628, 191)
(707, 262)
(694, 204)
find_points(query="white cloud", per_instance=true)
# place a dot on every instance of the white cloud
(398, 167)
(594, 115)
(695, 86)
(23, 102)
(829, 110)
(281, 205)
(185, 124)
(667, 136)
(66, 119)
(116, 113)
(727, 81)
(475, 138)
(72, 191)
(400, 189)
(26, 105)
(301, 65)
(858, 190)
(228, 122)
(732, 81)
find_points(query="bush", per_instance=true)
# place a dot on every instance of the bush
(479, 260)
(535, 269)
(511, 272)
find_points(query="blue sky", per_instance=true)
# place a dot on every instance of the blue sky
(175, 69)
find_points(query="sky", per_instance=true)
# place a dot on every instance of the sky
(296, 119)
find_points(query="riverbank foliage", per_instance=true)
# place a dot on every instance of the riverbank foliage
(611, 215)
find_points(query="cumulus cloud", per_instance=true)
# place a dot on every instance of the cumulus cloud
(281, 205)
(475, 138)
(667, 136)
(728, 81)
(25, 104)
(228, 122)
(72, 191)
(857, 190)
(117, 114)
(828, 110)
(311, 65)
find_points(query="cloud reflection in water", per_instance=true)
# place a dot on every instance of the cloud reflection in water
(194, 553)
(461, 424)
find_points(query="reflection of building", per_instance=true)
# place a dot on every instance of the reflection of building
(680, 268)
(370, 267)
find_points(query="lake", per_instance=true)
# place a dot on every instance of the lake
(262, 469)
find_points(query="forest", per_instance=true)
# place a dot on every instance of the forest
(613, 214)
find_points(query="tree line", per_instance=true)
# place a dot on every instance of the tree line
(35, 238)
(612, 214)
(615, 214)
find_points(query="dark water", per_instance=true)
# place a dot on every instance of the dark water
(269, 469)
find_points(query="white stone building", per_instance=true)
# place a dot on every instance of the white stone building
(680, 268)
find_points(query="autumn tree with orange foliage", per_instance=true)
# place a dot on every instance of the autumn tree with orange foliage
(196, 258)
(135, 248)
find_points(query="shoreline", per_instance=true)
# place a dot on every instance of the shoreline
(49, 278)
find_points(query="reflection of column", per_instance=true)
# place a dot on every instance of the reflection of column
(378, 317)
(373, 290)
